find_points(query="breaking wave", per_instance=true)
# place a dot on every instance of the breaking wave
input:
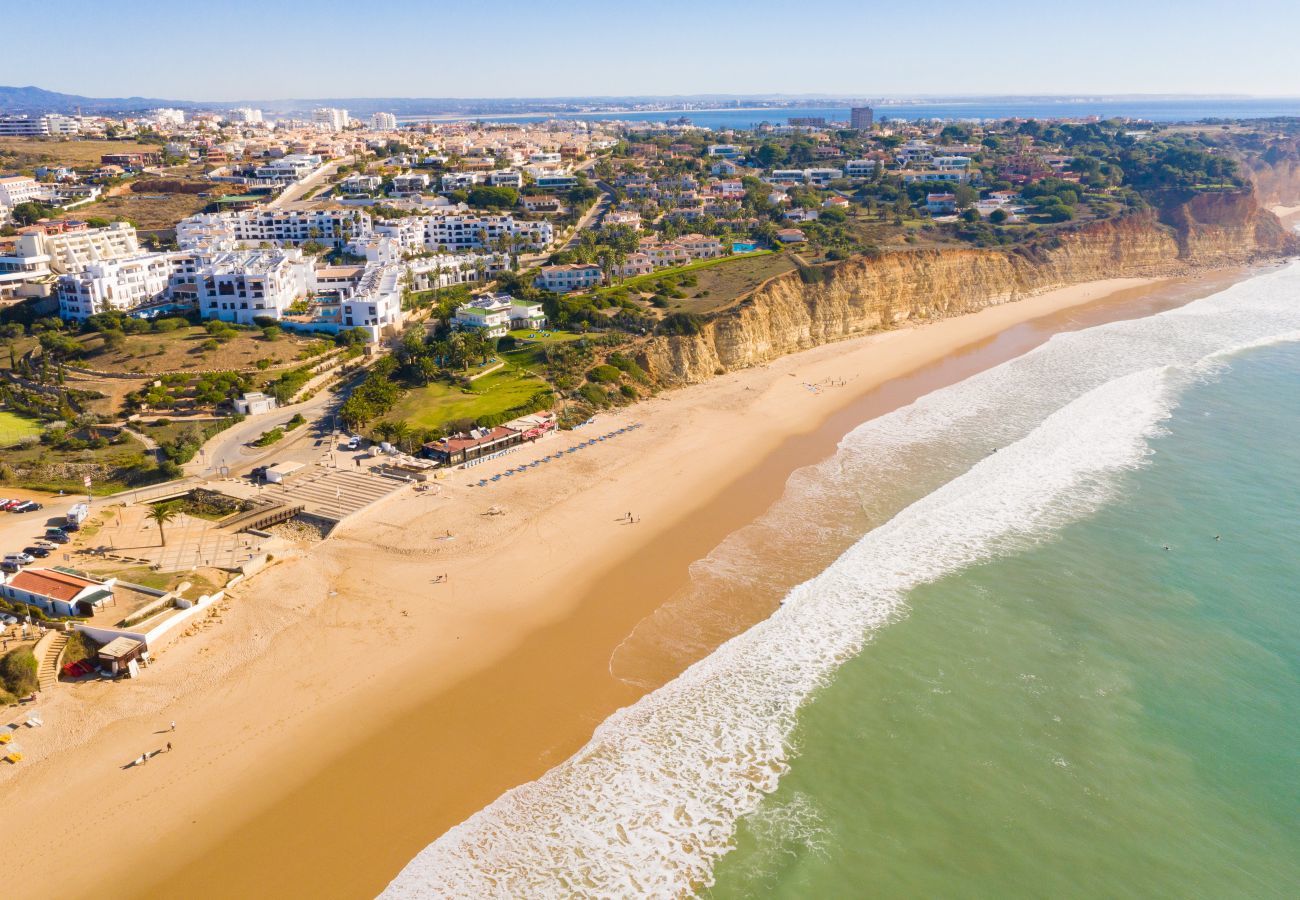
(651, 802)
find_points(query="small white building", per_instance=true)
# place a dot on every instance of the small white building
(254, 403)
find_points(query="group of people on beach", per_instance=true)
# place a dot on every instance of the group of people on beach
(148, 754)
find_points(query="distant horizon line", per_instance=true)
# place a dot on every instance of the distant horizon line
(886, 98)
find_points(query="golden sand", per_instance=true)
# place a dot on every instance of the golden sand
(349, 708)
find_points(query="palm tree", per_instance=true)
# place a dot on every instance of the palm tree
(162, 514)
(399, 434)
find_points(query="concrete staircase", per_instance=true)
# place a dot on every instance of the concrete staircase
(47, 672)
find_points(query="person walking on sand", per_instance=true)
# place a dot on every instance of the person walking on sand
(169, 746)
(173, 726)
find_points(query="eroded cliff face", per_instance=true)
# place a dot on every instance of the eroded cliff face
(792, 312)
(1276, 173)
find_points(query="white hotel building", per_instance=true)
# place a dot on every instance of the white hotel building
(115, 284)
(15, 189)
(330, 119)
(240, 286)
(278, 227)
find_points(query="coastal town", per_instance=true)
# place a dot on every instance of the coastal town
(339, 307)
(243, 352)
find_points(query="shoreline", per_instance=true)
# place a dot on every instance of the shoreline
(383, 686)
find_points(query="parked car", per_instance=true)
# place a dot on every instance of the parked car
(38, 552)
(354, 442)
(10, 504)
(8, 619)
(27, 506)
(57, 535)
(10, 567)
(23, 559)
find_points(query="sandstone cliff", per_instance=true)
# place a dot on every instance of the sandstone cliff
(797, 311)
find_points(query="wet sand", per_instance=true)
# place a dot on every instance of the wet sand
(350, 710)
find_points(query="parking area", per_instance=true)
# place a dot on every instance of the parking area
(128, 535)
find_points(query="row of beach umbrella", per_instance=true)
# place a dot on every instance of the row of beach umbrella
(519, 470)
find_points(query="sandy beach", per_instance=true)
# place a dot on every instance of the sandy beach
(350, 705)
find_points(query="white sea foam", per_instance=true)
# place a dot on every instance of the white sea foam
(651, 802)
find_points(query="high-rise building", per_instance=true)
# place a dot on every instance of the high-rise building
(41, 125)
(173, 118)
(861, 118)
(330, 118)
(246, 116)
(383, 121)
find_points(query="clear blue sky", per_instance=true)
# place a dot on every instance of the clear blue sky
(267, 49)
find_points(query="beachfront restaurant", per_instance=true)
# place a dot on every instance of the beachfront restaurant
(480, 442)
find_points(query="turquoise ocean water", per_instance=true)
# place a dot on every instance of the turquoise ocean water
(1093, 717)
(996, 682)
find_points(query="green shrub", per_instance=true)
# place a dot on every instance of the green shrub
(18, 671)
(593, 395)
(269, 437)
(604, 374)
(79, 647)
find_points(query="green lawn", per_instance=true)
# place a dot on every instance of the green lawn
(435, 404)
(528, 354)
(14, 428)
(645, 282)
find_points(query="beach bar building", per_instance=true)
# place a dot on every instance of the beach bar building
(480, 442)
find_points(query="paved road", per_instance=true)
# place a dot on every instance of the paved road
(300, 189)
(231, 447)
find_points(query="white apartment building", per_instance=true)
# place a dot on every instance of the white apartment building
(410, 183)
(822, 177)
(330, 119)
(460, 181)
(24, 126)
(557, 182)
(115, 284)
(173, 118)
(242, 285)
(383, 121)
(506, 178)
(278, 227)
(289, 168)
(360, 184)
(377, 302)
(571, 277)
(475, 232)
(460, 231)
(15, 189)
(859, 168)
(246, 116)
(446, 269)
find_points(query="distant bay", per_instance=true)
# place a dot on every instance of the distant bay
(1152, 109)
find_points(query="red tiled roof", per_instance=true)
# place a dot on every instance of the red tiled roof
(49, 583)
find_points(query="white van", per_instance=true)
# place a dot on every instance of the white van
(20, 559)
